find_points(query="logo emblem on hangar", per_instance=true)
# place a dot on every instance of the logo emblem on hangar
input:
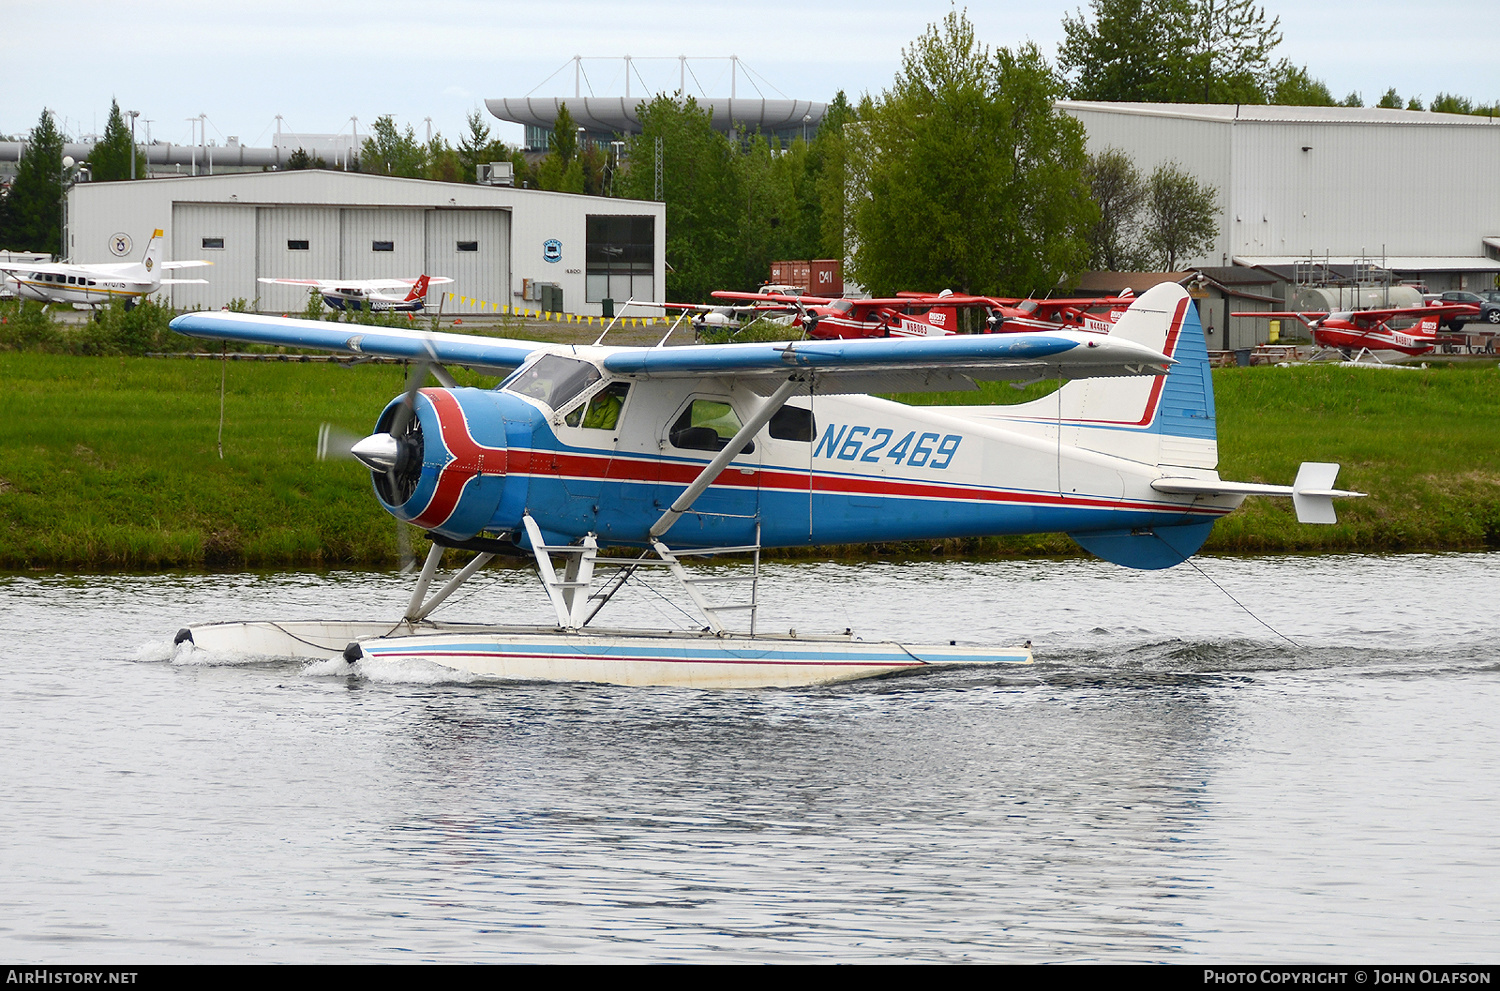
(119, 245)
(552, 250)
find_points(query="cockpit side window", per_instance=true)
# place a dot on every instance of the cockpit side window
(602, 411)
(553, 379)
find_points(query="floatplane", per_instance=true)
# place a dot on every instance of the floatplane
(598, 462)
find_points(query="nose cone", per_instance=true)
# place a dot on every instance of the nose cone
(378, 452)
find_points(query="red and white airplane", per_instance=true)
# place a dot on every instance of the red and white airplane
(1411, 330)
(915, 314)
(366, 293)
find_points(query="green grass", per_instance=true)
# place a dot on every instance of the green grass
(112, 463)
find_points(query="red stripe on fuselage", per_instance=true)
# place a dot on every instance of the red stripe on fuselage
(613, 468)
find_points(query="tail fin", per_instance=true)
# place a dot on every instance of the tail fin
(418, 291)
(152, 258)
(1157, 420)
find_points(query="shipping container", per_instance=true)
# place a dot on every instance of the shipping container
(827, 277)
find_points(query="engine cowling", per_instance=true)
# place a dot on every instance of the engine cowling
(445, 467)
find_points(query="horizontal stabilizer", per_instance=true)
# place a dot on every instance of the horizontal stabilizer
(1312, 493)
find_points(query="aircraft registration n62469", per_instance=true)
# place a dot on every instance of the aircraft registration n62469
(668, 453)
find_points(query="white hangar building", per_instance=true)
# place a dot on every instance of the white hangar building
(491, 240)
(1347, 184)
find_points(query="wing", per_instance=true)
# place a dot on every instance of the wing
(172, 266)
(183, 282)
(718, 307)
(491, 354)
(1306, 316)
(299, 282)
(1437, 310)
(771, 297)
(1047, 306)
(939, 364)
(350, 285)
(36, 267)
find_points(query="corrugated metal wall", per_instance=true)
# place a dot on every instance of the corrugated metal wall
(403, 230)
(1420, 190)
(233, 272)
(279, 227)
(483, 273)
(265, 242)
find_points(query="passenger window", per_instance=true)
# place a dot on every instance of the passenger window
(793, 423)
(602, 411)
(706, 425)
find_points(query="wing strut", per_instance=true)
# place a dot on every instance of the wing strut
(736, 444)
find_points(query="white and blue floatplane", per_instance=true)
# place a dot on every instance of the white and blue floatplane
(598, 462)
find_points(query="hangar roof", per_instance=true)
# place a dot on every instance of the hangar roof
(1230, 112)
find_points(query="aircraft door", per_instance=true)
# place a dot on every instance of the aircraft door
(699, 428)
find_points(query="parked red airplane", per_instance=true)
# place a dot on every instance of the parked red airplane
(913, 314)
(1412, 330)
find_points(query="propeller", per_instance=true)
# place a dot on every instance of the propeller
(394, 452)
(336, 443)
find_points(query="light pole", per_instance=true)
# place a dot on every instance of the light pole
(806, 119)
(132, 114)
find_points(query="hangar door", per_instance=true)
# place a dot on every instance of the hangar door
(222, 234)
(294, 242)
(383, 244)
(471, 247)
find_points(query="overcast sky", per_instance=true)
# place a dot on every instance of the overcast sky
(318, 64)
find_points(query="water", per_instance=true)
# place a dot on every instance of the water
(1171, 782)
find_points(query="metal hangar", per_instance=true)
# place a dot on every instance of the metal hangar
(1415, 193)
(496, 242)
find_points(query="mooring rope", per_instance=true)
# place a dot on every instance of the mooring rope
(1237, 602)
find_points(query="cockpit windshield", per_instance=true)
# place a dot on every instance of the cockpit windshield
(553, 379)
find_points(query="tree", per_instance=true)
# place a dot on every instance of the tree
(1415, 103)
(699, 188)
(443, 163)
(1180, 216)
(110, 159)
(1391, 100)
(1293, 87)
(1130, 50)
(300, 159)
(967, 176)
(1169, 51)
(1118, 191)
(564, 135)
(1448, 103)
(764, 179)
(1232, 49)
(475, 148)
(34, 207)
(391, 152)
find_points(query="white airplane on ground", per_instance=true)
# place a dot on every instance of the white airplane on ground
(365, 294)
(96, 285)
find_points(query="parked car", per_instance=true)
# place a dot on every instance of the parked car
(1488, 303)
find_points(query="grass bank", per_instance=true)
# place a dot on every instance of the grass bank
(112, 463)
